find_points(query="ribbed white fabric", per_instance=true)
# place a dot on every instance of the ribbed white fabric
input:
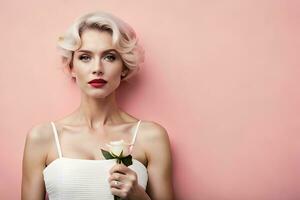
(81, 179)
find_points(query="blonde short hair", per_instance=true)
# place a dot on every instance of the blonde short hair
(123, 37)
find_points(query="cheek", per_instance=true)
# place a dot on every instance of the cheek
(115, 79)
(80, 74)
(80, 68)
(115, 71)
(114, 76)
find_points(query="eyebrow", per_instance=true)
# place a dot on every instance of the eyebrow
(105, 51)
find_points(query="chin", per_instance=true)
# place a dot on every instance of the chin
(99, 94)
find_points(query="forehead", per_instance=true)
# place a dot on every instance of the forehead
(96, 41)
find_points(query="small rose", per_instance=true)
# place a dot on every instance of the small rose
(118, 147)
(119, 150)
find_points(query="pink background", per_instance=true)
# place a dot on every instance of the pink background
(221, 76)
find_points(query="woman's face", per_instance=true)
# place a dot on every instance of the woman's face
(96, 55)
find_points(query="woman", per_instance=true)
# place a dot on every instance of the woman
(63, 157)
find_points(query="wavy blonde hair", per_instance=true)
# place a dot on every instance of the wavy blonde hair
(123, 38)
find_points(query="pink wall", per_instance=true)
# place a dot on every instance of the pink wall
(221, 76)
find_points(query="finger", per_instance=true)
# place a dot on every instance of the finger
(121, 168)
(117, 177)
(116, 184)
(121, 181)
(119, 192)
(129, 177)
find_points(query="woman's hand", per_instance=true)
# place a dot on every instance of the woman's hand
(124, 183)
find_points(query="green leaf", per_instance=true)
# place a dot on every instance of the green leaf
(106, 154)
(127, 160)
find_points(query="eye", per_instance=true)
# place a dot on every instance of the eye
(110, 57)
(84, 58)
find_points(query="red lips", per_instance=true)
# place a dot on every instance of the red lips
(98, 81)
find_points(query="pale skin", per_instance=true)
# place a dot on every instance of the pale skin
(96, 121)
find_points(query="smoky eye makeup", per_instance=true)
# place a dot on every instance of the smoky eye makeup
(110, 56)
(84, 57)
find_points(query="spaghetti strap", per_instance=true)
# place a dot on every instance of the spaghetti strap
(135, 133)
(56, 139)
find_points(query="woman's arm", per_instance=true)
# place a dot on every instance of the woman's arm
(155, 142)
(35, 152)
(157, 146)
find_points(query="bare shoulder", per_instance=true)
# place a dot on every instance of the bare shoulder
(153, 132)
(38, 138)
(39, 133)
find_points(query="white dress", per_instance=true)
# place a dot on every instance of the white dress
(81, 179)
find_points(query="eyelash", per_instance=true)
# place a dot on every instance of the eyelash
(110, 56)
(82, 57)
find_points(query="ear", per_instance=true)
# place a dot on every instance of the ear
(124, 72)
(71, 70)
(73, 74)
(71, 67)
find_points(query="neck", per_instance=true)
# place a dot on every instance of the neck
(98, 112)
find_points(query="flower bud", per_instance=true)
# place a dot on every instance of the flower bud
(116, 147)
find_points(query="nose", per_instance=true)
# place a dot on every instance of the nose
(98, 67)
